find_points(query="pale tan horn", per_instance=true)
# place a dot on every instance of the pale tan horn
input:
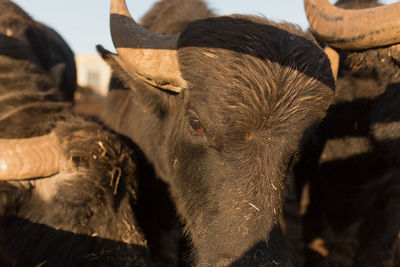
(150, 55)
(334, 59)
(354, 29)
(27, 158)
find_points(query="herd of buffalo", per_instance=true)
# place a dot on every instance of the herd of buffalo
(224, 141)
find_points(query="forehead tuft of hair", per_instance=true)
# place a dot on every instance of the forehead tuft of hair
(267, 75)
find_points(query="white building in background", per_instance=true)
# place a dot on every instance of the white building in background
(93, 72)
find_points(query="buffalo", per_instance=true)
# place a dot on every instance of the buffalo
(220, 106)
(67, 185)
(353, 218)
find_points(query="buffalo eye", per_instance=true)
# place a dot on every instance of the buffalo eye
(197, 128)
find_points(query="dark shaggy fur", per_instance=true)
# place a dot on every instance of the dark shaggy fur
(82, 216)
(354, 173)
(46, 47)
(79, 218)
(257, 88)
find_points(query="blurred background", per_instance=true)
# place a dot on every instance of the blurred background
(84, 24)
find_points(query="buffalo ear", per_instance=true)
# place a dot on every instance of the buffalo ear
(56, 73)
(116, 64)
(123, 72)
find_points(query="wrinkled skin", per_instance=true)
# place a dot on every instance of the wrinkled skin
(224, 144)
(354, 169)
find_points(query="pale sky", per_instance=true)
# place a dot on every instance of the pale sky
(84, 23)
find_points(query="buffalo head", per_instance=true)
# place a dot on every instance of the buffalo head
(220, 110)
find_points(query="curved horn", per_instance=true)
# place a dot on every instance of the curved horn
(354, 29)
(149, 55)
(29, 158)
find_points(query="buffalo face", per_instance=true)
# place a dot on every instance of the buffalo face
(221, 122)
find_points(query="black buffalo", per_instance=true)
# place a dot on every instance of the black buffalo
(67, 185)
(354, 214)
(220, 109)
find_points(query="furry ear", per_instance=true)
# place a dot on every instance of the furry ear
(116, 64)
(121, 70)
(56, 73)
(145, 93)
